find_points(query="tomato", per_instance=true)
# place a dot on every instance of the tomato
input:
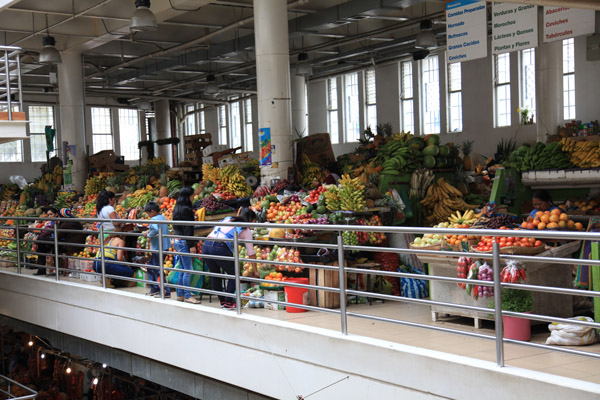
(537, 243)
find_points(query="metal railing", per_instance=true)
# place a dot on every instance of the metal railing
(496, 258)
(10, 385)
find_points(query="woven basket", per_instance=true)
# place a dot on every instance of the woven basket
(516, 250)
(437, 246)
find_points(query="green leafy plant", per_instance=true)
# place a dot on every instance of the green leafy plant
(516, 300)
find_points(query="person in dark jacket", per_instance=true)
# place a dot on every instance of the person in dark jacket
(67, 239)
(183, 211)
(46, 248)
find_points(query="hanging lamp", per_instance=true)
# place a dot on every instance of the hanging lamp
(303, 68)
(143, 18)
(426, 38)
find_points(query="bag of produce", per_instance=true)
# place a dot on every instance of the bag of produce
(411, 287)
(571, 335)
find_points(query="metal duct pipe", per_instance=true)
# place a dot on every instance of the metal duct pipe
(100, 93)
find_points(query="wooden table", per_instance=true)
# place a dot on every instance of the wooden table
(554, 275)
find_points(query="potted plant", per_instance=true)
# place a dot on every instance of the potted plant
(517, 301)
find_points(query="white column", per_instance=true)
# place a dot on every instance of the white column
(163, 130)
(273, 82)
(72, 108)
(549, 87)
(299, 105)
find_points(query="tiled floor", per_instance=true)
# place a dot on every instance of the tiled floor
(553, 362)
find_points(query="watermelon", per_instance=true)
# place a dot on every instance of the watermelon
(321, 210)
(444, 151)
(432, 140)
(429, 161)
(440, 162)
(416, 143)
(431, 150)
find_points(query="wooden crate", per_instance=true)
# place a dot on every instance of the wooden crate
(327, 278)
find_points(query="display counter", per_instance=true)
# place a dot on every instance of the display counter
(554, 275)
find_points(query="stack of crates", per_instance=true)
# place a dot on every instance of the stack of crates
(193, 146)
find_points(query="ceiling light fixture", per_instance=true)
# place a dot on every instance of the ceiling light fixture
(303, 68)
(426, 38)
(145, 106)
(95, 381)
(211, 87)
(143, 18)
(49, 55)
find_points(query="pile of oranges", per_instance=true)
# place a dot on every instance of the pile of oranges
(555, 219)
(167, 207)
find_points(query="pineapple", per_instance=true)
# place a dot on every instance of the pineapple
(466, 147)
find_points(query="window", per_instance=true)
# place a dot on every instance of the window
(569, 78)
(406, 96)
(351, 108)
(39, 117)
(236, 125)
(201, 120)
(248, 130)
(222, 124)
(455, 97)
(370, 99)
(129, 133)
(332, 110)
(101, 129)
(528, 84)
(431, 94)
(190, 120)
(502, 89)
(11, 151)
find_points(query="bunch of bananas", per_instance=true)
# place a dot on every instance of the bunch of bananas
(351, 193)
(141, 197)
(310, 172)
(233, 181)
(8, 191)
(584, 154)
(441, 201)
(96, 184)
(419, 182)
(210, 173)
(468, 217)
(332, 198)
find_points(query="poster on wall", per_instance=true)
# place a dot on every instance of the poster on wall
(264, 137)
(466, 31)
(563, 23)
(514, 27)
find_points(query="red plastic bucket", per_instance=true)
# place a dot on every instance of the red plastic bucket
(516, 328)
(296, 295)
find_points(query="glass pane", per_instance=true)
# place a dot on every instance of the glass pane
(248, 110)
(129, 132)
(431, 95)
(352, 108)
(236, 125)
(372, 117)
(39, 117)
(334, 130)
(12, 151)
(222, 125)
(456, 112)
(569, 96)
(528, 83)
(102, 142)
(408, 118)
(201, 122)
(502, 68)
(407, 80)
(503, 105)
(190, 121)
(332, 100)
(370, 89)
(101, 120)
(454, 77)
(568, 56)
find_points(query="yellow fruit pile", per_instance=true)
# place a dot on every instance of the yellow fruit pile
(441, 201)
(584, 154)
(351, 194)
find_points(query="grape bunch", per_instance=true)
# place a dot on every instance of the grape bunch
(485, 273)
(318, 221)
(500, 221)
(211, 204)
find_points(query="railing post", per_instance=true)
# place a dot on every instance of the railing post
(498, 306)
(18, 247)
(160, 262)
(342, 279)
(102, 267)
(236, 266)
(56, 258)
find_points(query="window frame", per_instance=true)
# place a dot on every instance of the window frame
(333, 106)
(351, 108)
(223, 136)
(33, 134)
(110, 125)
(527, 79)
(247, 124)
(130, 156)
(434, 80)
(455, 125)
(502, 86)
(190, 126)
(370, 83)
(407, 96)
(235, 122)
(569, 100)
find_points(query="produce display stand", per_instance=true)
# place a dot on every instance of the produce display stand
(204, 231)
(555, 275)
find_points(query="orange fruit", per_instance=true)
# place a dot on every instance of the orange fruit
(562, 224)
(563, 217)
(579, 226)
(539, 214)
(571, 224)
(555, 211)
(554, 218)
(552, 225)
(545, 218)
(541, 225)
(524, 225)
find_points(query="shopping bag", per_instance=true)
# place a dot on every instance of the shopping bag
(411, 287)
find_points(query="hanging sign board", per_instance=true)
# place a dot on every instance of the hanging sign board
(264, 138)
(564, 23)
(466, 31)
(514, 27)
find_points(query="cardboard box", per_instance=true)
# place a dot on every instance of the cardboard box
(227, 160)
(277, 295)
(101, 159)
(317, 147)
(207, 160)
(16, 116)
(213, 148)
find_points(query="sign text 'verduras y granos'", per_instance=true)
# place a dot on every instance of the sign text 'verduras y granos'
(466, 30)
(514, 27)
(563, 23)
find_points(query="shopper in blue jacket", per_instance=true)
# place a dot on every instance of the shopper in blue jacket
(153, 211)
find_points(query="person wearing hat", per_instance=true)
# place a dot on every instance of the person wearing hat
(67, 238)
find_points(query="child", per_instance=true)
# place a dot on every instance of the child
(153, 211)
